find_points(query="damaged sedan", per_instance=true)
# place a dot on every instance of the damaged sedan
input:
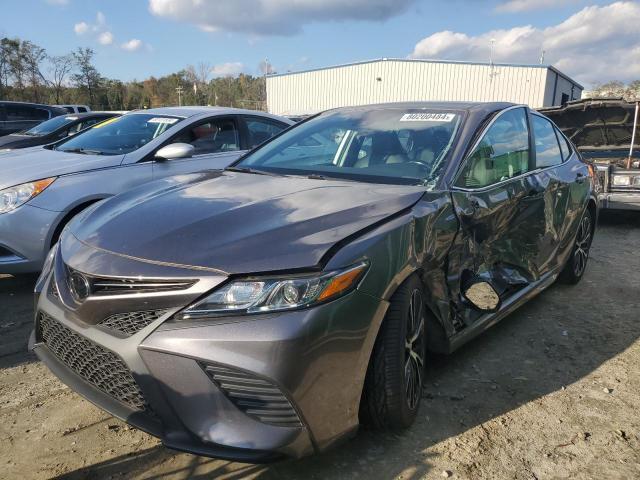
(266, 310)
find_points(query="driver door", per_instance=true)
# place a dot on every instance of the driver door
(216, 141)
(500, 205)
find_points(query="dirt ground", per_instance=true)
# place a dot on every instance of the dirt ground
(551, 392)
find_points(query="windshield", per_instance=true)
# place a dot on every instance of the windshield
(45, 128)
(120, 135)
(380, 146)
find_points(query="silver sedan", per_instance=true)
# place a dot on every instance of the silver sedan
(42, 188)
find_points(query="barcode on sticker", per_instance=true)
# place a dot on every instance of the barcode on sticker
(428, 117)
(170, 121)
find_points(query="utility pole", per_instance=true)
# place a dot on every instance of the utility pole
(266, 72)
(633, 136)
(179, 89)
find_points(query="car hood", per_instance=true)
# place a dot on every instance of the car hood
(16, 141)
(36, 163)
(238, 222)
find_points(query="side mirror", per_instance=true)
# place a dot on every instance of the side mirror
(482, 296)
(175, 150)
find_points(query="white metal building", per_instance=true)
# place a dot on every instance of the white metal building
(396, 80)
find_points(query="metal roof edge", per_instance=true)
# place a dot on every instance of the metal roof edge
(425, 60)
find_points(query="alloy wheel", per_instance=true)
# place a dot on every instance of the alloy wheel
(414, 350)
(583, 243)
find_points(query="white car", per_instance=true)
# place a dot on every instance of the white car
(75, 108)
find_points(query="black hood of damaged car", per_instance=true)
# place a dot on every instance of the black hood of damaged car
(239, 222)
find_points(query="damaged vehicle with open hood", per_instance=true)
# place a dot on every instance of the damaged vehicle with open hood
(606, 133)
(265, 310)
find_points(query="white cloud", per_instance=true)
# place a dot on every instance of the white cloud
(274, 17)
(58, 2)
(516, 6)
(105, 38)
(229, 69)
(132, 45)
(81, 28)
(596, 44)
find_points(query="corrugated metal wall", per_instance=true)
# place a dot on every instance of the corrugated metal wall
(397, 80)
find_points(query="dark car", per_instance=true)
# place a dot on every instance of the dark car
(265, 310)
(18, 116)
(53, 130)
(603, 130)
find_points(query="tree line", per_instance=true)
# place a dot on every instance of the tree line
(629, 91)
(28, 73)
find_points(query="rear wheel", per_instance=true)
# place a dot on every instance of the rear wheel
(577, 263)
(393, 385)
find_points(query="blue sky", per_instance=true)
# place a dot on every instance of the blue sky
(235, 35)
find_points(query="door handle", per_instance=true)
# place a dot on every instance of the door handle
(580, 177)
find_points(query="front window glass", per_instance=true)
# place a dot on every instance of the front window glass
(49, 126)
(381, 145)
(503, 152)
(214, 136)
(120, 135)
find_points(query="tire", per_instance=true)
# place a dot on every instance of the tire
(577, 263)
(394, 380)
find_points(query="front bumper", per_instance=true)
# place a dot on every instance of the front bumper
(25, 238)
(316, 358)
(620, 201)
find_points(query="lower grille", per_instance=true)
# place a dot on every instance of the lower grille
(256, 397)
(100, 367)
(130, 323)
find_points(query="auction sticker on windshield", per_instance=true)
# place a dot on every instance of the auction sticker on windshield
(428, 117)
(167, 120)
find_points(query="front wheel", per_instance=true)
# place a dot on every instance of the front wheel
(577, 263)
(393, 385)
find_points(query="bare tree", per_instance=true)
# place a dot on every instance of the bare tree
(88, 78)
(33, 57)
(60, 66)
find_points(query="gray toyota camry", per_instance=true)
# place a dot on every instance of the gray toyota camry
(266, 310)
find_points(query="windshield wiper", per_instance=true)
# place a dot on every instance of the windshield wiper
(252, 171)
(318, 176)
(84, 151)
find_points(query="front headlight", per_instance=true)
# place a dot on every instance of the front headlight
(621, 181)
(12, 197)
(271, 294)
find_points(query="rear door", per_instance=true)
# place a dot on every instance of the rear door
(499, 202)
(550, 173)
(217, 142)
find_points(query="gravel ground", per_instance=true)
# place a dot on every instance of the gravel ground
(551, 392)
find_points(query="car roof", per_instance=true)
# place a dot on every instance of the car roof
(189, 111)
(476, 107)
(30, 104)
(91, 114)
